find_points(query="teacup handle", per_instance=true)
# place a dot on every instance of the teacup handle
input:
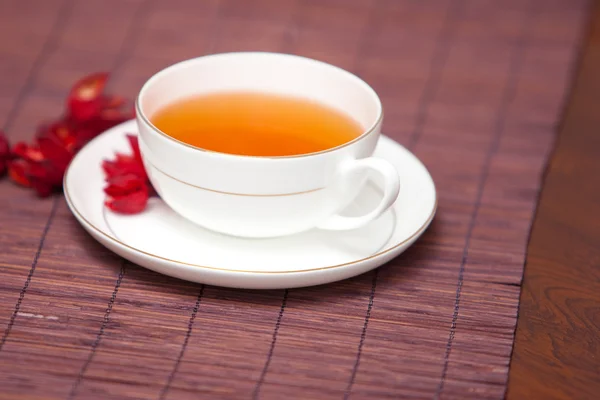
(390, 192)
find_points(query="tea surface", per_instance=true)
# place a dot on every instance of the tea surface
(256, 124)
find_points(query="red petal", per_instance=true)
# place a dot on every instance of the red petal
(110, 168)
(130, 204)
(131, 165)
(89, 87)
(46, 172)
(85, 99)
(27, 152)
(128, 188)
(17, 172)
(62, 132)
(135, 147)
(124, 165)
(85, 110)
(48, 166)
(55, 153)
(121, 185)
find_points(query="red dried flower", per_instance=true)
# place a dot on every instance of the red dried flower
(42, 164)
(132, 203)
(62, 132)
(128, 187)
(85, 99)
(122, 185)
(27, 152)
(16, 171)
(123, 165)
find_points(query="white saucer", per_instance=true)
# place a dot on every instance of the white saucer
(161, 240)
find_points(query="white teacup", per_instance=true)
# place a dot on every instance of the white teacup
(264, 196)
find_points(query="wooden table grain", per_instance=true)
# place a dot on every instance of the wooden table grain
(557, 348)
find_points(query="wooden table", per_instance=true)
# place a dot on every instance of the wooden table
(557, 347)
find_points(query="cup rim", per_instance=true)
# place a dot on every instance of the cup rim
(140, 114)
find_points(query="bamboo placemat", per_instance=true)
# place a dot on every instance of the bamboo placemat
(473, 88)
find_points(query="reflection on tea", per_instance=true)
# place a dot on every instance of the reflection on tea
(256, 124)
